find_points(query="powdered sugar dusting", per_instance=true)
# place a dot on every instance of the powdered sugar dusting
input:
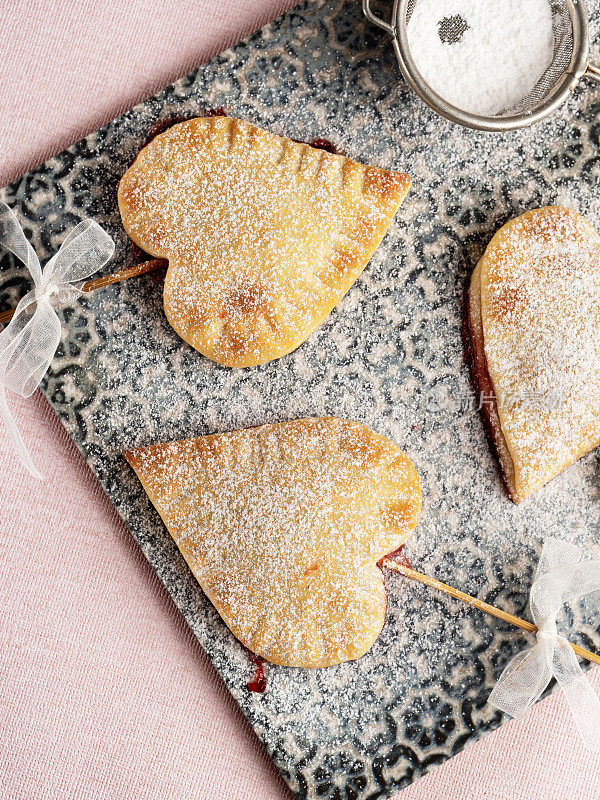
(283, 525)
(264, 235)
(540, 284)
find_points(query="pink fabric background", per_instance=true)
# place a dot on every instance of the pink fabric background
(104, 693)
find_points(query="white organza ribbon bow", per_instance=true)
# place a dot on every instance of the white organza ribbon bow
(29, 342)
(560, 576)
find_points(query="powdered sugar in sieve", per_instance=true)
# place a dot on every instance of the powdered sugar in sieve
(489, 56)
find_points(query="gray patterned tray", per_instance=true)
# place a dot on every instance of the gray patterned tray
(391, 355)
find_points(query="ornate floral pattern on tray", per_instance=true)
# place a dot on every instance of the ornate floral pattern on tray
(391, 355)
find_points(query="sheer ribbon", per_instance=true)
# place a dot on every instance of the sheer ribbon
(561, 576)
(28, 343)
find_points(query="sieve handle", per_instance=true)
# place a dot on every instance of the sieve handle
(375, 19)
(592, 72)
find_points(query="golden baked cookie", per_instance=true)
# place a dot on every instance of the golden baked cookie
(264, 236)
(283, 526)
(534, 321)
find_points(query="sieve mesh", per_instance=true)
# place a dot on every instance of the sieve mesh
(563, 49)
(452, 28)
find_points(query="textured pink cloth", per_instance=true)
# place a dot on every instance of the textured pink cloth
(104, 693)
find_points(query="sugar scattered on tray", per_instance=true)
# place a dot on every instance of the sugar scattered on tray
(482, 56)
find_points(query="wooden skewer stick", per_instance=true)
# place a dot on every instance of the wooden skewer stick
(6, 316)
(107, 280)
(130, 272)
(480, 604)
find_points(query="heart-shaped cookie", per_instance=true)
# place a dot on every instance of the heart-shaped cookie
(534, 319)
(264, 235)
(283, 526)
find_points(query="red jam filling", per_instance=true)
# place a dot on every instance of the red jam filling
(325, 144)
(258, 683)
(398, 556)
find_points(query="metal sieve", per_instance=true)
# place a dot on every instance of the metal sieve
(569, 64)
